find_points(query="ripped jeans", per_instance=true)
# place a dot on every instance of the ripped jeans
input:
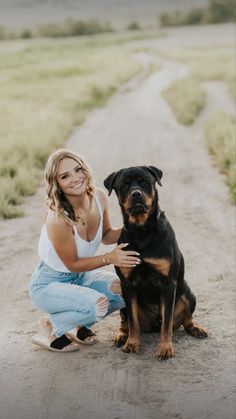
(74, 299)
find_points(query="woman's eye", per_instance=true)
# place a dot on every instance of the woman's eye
(78, 169)
(64, 177)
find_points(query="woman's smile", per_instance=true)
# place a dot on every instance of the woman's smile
(78, 185)
(71, 177)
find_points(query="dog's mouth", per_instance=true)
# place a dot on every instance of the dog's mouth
(138, 208)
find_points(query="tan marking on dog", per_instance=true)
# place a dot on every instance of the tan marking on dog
(133, 341)
(165, 349)
(126, 271)
(161, 265)
(126, 205)
(194, 329)
(181, 311)
(134, 308)
(139, 219)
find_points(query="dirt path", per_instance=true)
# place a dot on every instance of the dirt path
(136, 127)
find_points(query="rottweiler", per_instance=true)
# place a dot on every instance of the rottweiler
(156, 294)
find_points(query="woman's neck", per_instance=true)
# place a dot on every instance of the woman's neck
(81, 202)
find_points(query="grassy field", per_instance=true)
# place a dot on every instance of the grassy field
(186, 96)
(220, 132)
(47, 87)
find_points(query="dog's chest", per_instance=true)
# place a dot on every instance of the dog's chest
(148, 278)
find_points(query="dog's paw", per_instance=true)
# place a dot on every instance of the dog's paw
(120, 339)
(196, 331)
(132, 346)
(165, 351)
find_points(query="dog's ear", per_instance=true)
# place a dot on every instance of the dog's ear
(109, 182)
(157, 173)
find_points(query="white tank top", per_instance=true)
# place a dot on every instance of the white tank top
(85, 248)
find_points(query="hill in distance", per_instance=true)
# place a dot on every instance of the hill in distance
(28, 13)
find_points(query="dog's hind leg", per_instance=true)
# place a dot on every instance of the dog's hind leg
(183, 315)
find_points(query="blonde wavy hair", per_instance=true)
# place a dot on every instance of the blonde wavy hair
(56, 200)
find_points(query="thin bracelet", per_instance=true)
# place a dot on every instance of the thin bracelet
(104, 260)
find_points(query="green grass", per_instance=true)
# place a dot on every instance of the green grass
(212, 64)
(186, 98)
(215, 63)
(47, 87)
(220, 137)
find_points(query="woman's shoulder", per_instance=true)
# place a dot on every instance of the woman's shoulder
(57, 228)
(55, 220)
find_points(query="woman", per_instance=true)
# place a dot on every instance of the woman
(67, 283)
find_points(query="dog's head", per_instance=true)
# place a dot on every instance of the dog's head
(136, 190)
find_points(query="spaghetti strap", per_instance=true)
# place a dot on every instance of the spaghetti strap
(98, 205)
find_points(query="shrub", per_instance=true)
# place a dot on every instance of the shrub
(221, 11)
(73, 28)
(217, 11)
(134, 26)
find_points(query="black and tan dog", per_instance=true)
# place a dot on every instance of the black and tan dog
(156, 295)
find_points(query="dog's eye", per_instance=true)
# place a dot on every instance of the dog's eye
(142, 181)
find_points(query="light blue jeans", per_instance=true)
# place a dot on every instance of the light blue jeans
(70, 299)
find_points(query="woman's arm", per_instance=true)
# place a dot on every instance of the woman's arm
(61, 236)
(110, 234)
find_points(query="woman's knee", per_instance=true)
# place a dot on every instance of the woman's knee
(102, 305)
(115, 287)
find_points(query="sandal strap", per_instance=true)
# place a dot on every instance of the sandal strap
(60, 342)
(84, 332)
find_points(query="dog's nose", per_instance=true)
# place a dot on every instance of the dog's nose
(136, 193)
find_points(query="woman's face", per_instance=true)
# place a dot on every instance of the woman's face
(70, 178)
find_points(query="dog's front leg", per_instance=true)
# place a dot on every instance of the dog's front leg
(133, 341)
(122, 334)
(165, 349)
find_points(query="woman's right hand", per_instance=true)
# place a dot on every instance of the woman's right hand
(121, 258)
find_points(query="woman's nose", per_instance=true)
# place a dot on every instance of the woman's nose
(76, 176)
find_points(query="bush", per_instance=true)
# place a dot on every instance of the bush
(217, 11)
(26, 34)
(134, 26)
(73, 28)
(221, 11)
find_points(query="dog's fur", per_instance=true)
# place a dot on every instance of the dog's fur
(156, 294)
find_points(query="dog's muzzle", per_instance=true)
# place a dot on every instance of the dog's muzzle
(137, 205)
(138, 208)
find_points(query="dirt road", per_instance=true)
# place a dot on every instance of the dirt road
(136, 127)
